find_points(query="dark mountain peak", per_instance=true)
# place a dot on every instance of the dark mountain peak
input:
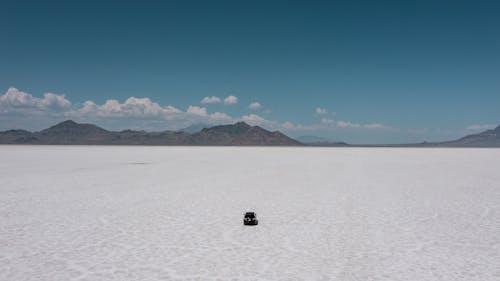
(130, 131)
(260, 130)
(64, 124)
(497, 129)
(241, 124)
(71, 123)
(231, 129)
(67, 123)
(71, 128)
(254, 128)
(239, 133)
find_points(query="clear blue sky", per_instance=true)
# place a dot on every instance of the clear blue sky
(357, 71)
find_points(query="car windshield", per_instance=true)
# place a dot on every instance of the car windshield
(250, 215)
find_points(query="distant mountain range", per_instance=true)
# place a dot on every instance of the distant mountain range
(70, 132)
(319, 141)
(312, 139)
(238, 134)
(488, 138)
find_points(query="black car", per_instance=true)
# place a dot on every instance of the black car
(250, 218)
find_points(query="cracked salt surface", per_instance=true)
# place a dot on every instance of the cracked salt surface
(85, 213)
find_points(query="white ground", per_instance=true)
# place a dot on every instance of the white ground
(175, 213)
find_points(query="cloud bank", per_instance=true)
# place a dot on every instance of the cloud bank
(17, 101)
(19, 109)
(15, 104)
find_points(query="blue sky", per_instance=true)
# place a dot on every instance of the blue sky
(356, 71)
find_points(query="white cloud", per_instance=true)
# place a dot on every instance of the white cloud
(288, 126)
(253, 119)
(321, 111)
(200, 114)
(142, 106)
(229, 100)
(196, 110)
(255, 106)
(15, 100)
(220, 116)
(330, 124)
(132, 107)
(211, 100)
(171, 110)
(51, 100)
(374, 126)
(480, 127)
(371, 126)
(111, 106)
(88, 107)
(346, 124)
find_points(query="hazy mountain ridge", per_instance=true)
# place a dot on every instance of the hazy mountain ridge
(488, 138)
(312, 139)
(70, 132)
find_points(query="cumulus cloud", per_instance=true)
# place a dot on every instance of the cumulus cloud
(214, 118)
(255, 106)
(51, 100)
(229, 100)
(142, 106)
(132, 107)
(253, 119)
(196, 110)
(220, 116)
(211, 100)
(321, 111)
(15, 100)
